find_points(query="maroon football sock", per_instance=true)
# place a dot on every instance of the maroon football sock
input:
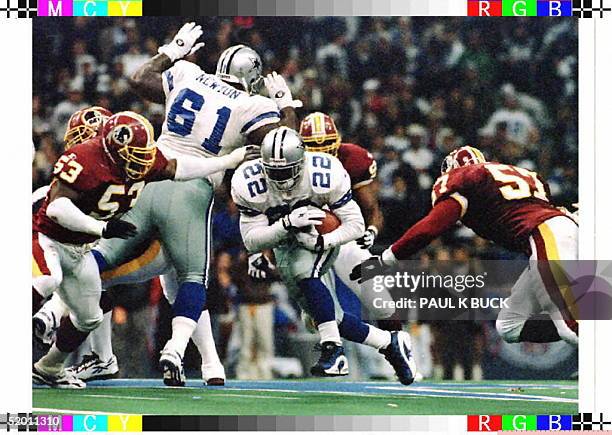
(68, 337)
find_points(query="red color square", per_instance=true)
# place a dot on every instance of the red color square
(480, 8)
(484, 423)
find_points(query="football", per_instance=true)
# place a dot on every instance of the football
(328, 224)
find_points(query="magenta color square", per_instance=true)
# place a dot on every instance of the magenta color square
(66, 423)
(62, 8)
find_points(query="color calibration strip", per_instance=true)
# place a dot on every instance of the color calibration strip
(160, 423)
(482, 8)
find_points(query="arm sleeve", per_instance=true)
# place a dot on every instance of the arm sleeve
(442, 217)
(260, 111)
(189, 168)
(64, 212)
(258, 235)
(352, 226)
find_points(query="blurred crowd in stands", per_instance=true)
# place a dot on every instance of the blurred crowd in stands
(407, 89)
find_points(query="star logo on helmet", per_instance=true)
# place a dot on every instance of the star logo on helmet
(122, 134)
(256, 62)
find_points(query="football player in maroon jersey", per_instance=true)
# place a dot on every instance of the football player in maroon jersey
(509, 206)
(94, 184)
(83, 125)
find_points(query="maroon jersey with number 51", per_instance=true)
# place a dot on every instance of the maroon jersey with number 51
(105, 191)
(501, 203)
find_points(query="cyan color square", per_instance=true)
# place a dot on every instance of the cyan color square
(90, 423)
(90, 8)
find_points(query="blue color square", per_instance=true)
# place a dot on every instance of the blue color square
(554, 422)
(554, 8)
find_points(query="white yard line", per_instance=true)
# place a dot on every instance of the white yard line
(488, 396)
(110, 396)
(253, 396)
(75, 411)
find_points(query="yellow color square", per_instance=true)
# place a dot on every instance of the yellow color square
(125, 8)
(125, 423)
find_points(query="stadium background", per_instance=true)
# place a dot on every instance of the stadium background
(409, 90)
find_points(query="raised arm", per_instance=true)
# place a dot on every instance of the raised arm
(147, 80)
(281, 94)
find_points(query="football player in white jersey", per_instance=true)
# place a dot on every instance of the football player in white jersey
(206, 115)
(280, 198)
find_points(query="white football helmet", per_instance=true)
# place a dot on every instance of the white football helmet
(241, 65)
(282, 156)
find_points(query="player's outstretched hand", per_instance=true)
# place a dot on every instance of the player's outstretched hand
(260, 267)
(118, 229)
(280, 92)
(367, 240)
(184, 42)
(367, 270)
(303, 217)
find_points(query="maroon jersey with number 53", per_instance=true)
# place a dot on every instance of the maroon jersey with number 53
(359, 163)
(105, 192)
(501, 203)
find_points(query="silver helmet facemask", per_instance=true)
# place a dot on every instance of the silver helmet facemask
(241, 65)
(282, 156)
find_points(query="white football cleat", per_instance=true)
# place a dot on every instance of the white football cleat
(44, 326)
(171, 365)
(213, 375)
(63, 379)
(92, 368)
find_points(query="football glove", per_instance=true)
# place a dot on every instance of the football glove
(280, 92)
(302, 217)
(311, 241)
(184, 42)
(367, 240)
(367, 270)
(260, 267)
(118, 229)
(252, 152)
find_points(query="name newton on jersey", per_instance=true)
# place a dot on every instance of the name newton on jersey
(215, 85)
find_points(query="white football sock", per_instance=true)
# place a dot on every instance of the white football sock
(329, 332)
(377, 338)
(182, 330)
(203, 339)
(53, 362)
(101, 338)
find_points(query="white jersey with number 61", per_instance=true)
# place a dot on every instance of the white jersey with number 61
(207, 117)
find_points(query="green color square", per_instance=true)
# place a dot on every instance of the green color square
(519, 422)
(520, 8)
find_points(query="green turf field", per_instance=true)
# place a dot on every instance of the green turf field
(314, 398)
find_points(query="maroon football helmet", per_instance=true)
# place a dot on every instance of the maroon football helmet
(463, 156)
(320, 133)
(85, 124)
(129, 141)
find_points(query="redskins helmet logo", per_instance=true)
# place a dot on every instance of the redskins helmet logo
(122, 135)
